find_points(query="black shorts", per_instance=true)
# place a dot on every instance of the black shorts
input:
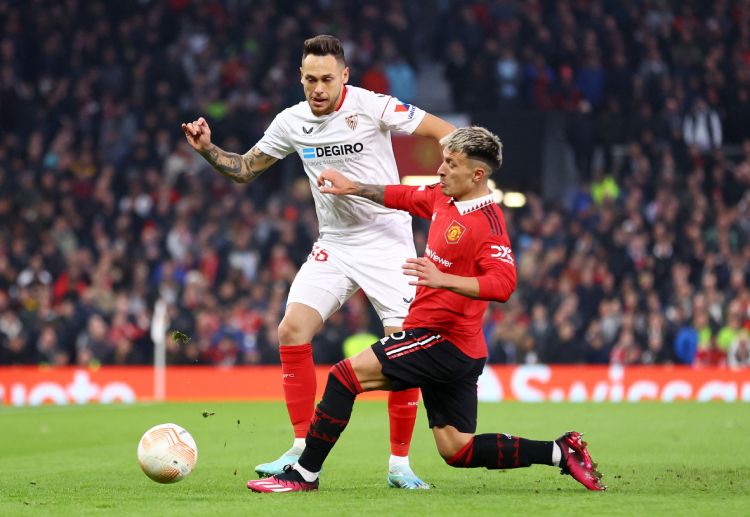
(448, 377)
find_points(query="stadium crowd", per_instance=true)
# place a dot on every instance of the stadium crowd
(104, 209)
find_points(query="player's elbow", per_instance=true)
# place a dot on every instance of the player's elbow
(496, 288)
(504, 296)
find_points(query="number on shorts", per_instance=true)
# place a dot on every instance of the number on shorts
(319, 254)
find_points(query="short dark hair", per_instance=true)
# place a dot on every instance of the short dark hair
(324, 45)
(477, 143)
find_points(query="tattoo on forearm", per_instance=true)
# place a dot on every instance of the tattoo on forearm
(372, 192)
(242, 169)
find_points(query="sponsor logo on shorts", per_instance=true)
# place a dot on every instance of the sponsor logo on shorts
(454, 232)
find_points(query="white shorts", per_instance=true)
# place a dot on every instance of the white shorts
(333, 273)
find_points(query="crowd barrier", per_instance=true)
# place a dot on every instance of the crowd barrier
(32, 386)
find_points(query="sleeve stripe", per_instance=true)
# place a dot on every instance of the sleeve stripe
(493, 211)
(386, 105)
(493, 220)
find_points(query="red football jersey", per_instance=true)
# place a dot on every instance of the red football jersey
(466, 238)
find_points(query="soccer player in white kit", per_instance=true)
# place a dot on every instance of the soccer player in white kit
(361, 243)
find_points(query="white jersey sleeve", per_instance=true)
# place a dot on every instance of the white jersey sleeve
(276, 141)
(393, 114)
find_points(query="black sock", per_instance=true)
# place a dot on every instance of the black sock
(331, 416)
(501, 451)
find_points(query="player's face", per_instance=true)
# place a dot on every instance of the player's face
(323, 79)
(459, 176)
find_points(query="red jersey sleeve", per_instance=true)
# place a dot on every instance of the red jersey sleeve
(498, 265)
(415, 200)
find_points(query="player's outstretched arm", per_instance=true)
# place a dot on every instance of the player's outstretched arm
(332, 181)
(240, 168)
(434, 127)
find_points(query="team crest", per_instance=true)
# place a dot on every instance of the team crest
(454, 232)
(351, 121)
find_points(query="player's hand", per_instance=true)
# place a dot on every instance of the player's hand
(198, 134)
(425, 271)
(332, 181)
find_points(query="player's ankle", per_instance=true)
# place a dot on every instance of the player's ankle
(394, 461)
(556, 454)
(306, 474)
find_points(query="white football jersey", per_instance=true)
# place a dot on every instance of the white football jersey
(356, 140)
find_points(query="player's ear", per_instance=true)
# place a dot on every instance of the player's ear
(345, 75)
(301, 76)
(479, 174)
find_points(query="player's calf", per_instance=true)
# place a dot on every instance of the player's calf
(501, 451)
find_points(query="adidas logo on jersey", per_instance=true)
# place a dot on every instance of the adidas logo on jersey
(331, 150)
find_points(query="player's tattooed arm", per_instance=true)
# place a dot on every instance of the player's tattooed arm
(240, 168)
(372, 192)
(331, 181)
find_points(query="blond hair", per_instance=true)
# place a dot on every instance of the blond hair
(477, 143)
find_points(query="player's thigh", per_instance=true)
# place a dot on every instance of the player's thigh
(379, 274)
(369, 371)
(322, 285)
(452, 404)
(405, 360)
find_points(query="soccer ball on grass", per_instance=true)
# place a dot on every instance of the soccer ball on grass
(167, 453)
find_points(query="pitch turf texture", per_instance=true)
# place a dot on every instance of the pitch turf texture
(678, 459)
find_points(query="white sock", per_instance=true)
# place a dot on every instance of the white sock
(306, 474)
(299, 443)
(397, 460)
(556, 454)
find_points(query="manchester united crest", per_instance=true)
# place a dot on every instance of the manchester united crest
(454, 232)
(351, 121)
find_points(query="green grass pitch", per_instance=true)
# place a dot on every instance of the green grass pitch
(658, 459)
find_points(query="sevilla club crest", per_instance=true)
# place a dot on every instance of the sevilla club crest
(454, 232)
(351, 121)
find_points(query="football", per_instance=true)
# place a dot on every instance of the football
(167, 453)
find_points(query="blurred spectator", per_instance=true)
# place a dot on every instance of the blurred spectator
(702, 127)
(508, 76)
(92, 343)
(456, 70)
(738, 354)
(401, 78)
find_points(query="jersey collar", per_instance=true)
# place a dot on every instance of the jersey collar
(470, 205)
(343, 96)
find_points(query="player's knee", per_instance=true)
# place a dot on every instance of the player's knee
(342, 373)
(292, 331)
(447, 452)
(453, 447)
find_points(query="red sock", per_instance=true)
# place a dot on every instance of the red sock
(402, 412)
(299, 385)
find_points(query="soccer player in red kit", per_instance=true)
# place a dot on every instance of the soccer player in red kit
(468, 262)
